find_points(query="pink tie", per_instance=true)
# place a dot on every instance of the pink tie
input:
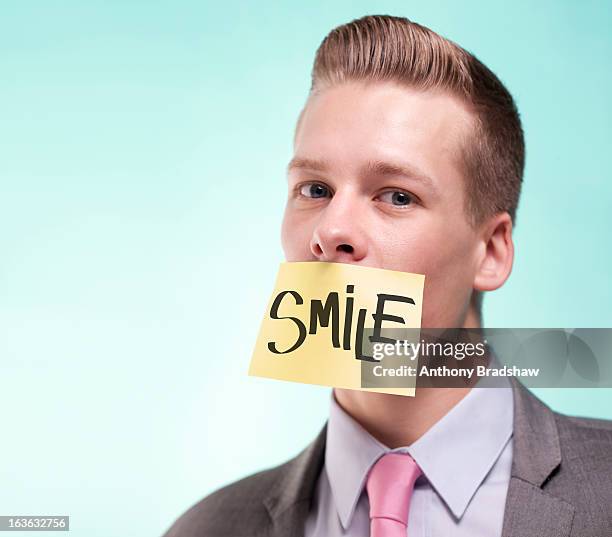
(389, 487)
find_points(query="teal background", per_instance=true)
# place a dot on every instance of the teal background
(142, 155)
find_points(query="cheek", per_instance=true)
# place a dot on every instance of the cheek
(446, 296)
(444, 256)
(295, 237)
(419, 246)
(449, 279)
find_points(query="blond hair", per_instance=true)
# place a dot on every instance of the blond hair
(388, 48)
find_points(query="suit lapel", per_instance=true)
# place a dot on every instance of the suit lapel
(288, 501)
(530, 509)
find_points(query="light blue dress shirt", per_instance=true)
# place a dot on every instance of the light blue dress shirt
(465, 458)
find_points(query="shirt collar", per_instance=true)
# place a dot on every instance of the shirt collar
(455, 455)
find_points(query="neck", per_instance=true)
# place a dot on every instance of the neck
(396, 420)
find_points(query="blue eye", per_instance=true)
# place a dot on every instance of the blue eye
(314, 190)
(397, 198)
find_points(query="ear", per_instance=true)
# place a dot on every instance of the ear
(496, 254)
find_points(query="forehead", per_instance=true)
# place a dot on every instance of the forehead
(355, 122)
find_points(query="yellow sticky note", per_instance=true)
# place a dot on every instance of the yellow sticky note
(323, 320)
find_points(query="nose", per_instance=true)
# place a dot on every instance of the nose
(338, 236)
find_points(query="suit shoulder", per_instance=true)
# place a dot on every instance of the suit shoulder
(215, 514)
(585, 438)
(587, 426)
(583, 477)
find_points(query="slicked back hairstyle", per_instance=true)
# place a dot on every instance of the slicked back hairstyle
(387, 48)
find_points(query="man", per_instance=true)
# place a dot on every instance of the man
(409, 156)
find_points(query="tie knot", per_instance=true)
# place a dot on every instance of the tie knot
(389, 486)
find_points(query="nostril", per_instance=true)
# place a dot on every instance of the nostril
(345, 248)
(317, 250)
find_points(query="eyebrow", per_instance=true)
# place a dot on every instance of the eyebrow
(373, 167)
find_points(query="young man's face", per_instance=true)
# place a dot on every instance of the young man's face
(376, 180)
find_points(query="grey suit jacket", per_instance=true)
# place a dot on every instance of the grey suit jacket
(561, 484)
